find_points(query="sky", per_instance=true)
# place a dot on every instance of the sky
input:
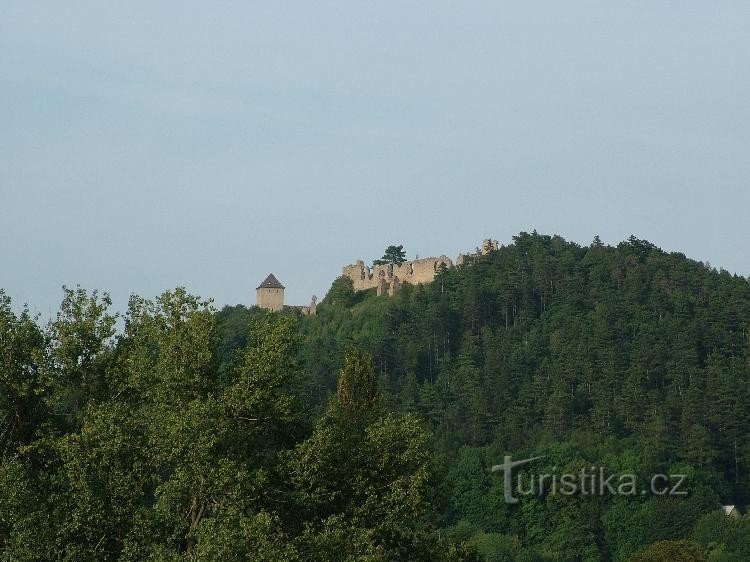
(149, 145)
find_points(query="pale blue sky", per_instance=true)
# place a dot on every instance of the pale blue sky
(145, 145)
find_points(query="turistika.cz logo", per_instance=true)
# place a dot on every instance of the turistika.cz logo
(590, 481)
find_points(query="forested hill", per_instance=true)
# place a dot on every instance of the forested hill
(367, 432)
(626, 355)
(544, 337)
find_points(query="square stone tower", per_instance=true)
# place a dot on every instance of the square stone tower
(270, 294)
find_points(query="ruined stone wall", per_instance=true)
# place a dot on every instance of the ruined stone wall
(386, 279)
(311, 309)
(413, 272)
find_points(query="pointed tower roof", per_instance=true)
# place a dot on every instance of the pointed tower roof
(270, 283)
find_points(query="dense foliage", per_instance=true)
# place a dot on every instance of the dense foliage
(170, 442)
(394, 255)
(367, 432)
(626, 357)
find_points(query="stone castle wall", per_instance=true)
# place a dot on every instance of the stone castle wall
(386, 279)
(413, 272)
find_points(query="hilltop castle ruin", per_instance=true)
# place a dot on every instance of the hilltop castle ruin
(387, 278)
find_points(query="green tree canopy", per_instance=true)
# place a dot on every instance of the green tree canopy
(672, 551)
(393, 255)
